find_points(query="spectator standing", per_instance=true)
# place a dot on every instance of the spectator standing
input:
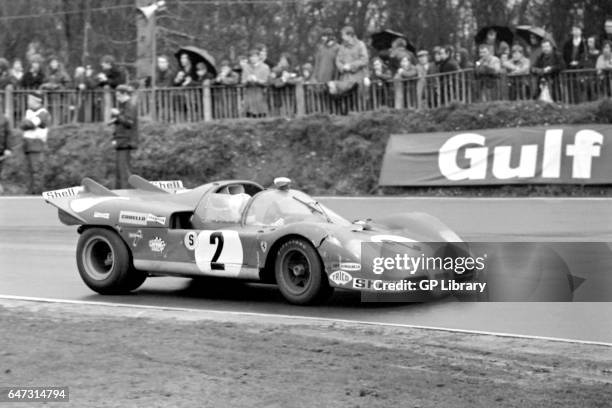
(487, 71)
(463, 58)
(604, 61)
(6, 141)
(263, 54)
(186, 73)
(437, 57)
(517, 68)
(406, 69)
(447, 62)
(164, 77)
(306, 74)
(34, 78)
(547, 68)
(35, 127)
(592, 52)
(575, 52)
(125, 135)
(111, 75)
(492, 42)
(607, 33)
(226, 76)
(5, 76)
(255, 75)
(380, 73)
(202, 74)
(16, 72)
(325, 58)
(56, 76)
(534, 48)
(425, 67)
(519, 63)
(352, 63)
(398, 52)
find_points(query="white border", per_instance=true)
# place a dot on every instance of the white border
(308, 318)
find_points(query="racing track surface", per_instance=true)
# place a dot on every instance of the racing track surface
(37, 260)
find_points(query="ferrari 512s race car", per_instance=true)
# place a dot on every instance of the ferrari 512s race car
(231, 229)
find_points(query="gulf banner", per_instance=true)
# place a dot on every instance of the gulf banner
(577, 154)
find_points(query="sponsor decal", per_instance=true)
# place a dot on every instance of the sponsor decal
(347, 266)
(153, 218)
(64, 192)
(169, 185)
(133, 218)
(136, 236)
(138, 218)
(102, 215)
(587, 145)
(340, 277)
(191, 240)
(157, 244)
(264, 246)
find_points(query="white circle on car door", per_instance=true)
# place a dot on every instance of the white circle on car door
(219, 253)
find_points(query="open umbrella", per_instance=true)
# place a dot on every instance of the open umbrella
(196, 55)
(382, 40)
(525, 31)
(503, 34)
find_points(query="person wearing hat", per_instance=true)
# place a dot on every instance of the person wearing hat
(35, 127)
(324, 69)
(125, 135)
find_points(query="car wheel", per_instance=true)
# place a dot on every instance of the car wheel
(300, 274)
(104, 263)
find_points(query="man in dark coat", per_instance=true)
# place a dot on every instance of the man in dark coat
(5, 142)
(547, 68)
(325, 58)
(575, 53)
(111, 74)
(125, 135)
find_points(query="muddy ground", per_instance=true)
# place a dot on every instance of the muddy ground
(129, 357)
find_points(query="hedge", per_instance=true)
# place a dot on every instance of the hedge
(322, 154)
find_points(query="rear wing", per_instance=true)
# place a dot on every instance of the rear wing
(72, 202)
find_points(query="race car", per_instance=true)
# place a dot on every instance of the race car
(237, 229)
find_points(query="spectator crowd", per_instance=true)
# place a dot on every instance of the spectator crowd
(345, 65)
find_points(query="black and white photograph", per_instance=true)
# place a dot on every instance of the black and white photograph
(306, 203)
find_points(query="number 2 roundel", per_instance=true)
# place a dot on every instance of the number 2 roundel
(219, 253)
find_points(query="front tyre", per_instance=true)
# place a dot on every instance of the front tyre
(105, 264)
(300, 274)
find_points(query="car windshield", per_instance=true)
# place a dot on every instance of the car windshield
(278, 207)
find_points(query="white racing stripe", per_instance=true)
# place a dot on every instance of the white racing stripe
(305, 318)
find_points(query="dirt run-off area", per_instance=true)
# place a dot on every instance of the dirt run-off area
(134, 357)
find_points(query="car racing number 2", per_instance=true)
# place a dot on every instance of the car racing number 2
(217, 252)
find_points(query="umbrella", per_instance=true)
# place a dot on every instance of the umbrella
(196, 55)
(382, 40)
(503, 34)
(525, 31)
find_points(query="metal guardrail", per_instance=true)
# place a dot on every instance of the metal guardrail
(211, 102)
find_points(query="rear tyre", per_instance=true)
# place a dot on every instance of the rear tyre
(105, 263)
(300, 274)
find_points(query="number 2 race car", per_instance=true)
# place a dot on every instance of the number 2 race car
(232, 229)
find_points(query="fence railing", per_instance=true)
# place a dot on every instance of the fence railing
(210, 102)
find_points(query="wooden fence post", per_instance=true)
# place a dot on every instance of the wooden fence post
(207, 101)
(9, 107)
(108, 104)
(300, 99)
(398, 92)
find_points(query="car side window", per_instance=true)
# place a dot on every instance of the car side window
(223, 208)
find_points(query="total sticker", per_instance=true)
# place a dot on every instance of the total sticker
(191, 240)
